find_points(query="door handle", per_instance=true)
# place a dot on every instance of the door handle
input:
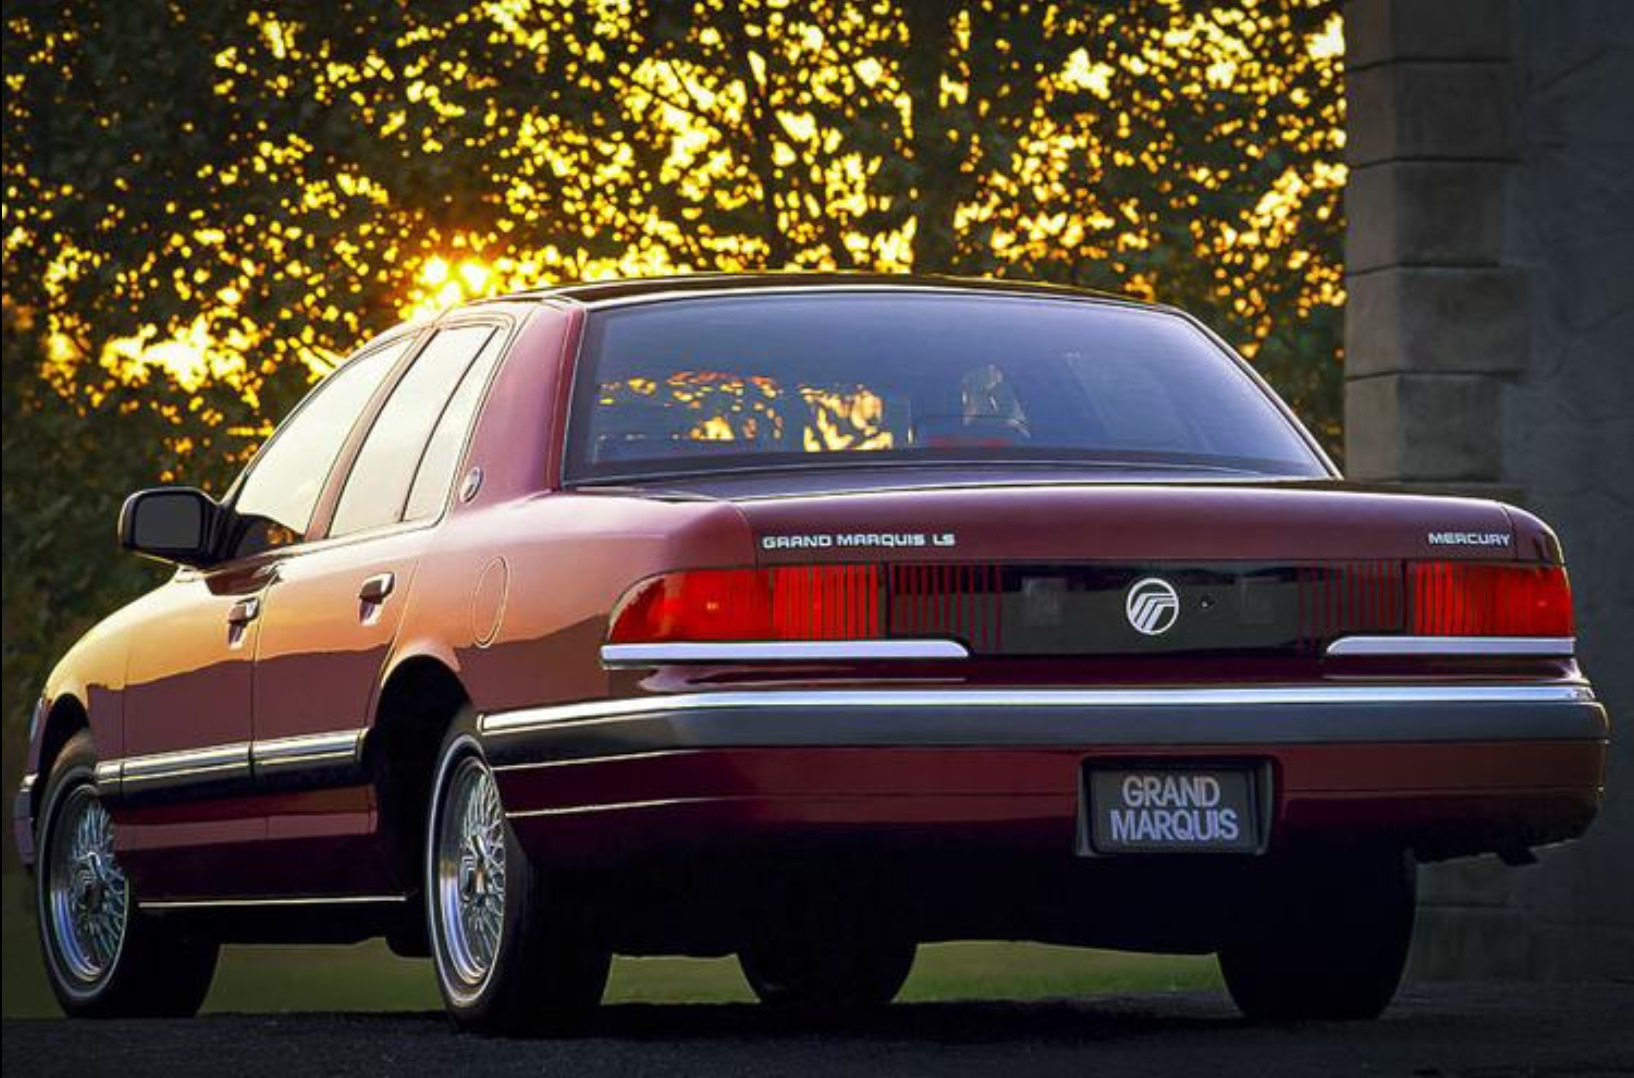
(243, 612)
(375, 589)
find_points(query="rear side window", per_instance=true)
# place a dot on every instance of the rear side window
(279, 493)
(844, 378)
(442, 453)
(378, 488)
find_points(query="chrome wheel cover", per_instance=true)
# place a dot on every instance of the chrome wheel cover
(88, 897)
(470, 874)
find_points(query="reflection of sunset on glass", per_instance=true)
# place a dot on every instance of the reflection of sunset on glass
(322, 182)
(711, 406)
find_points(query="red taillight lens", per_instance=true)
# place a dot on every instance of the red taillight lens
(872, 602)
(1340, 598)
(807, 602)
(1482, 599)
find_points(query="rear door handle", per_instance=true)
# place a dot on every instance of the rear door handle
(375, 589)
(243, 612)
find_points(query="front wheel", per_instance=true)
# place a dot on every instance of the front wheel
(1332, 943)
(512, 946)
(103, 956)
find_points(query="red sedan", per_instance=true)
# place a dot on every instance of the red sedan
(808, 619)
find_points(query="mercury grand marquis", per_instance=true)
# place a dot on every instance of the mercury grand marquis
(808, 619)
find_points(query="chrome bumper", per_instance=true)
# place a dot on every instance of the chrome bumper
(1260, 715)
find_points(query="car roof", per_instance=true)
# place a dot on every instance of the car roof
(642, 289)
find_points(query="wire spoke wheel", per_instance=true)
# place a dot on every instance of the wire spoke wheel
(470, 867)
(513, 954)
(88, 895)
(103, 957)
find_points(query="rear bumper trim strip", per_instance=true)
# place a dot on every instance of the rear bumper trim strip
(1033, 718)
(780, 651)
(502, 723)
(1469, 646)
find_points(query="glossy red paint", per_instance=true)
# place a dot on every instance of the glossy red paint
(308, 843)
(1139, 523)
(1445, 799)
(507, 593)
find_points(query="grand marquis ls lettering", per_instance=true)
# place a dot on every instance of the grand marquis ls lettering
(807, 619)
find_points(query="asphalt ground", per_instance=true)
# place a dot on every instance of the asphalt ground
(1483, 1030)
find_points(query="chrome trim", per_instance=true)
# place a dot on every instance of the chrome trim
(337, 747)
(214, 762)
(241, 903)
(626, 757)
(241, 759)
(614, 806)
(467, 881)
(780, 651)
(1454, 645)
(27, 785)
(524, 719)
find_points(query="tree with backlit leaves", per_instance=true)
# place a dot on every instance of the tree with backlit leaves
(207, 204)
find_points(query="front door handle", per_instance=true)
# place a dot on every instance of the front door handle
(243, 612)
(375, 589)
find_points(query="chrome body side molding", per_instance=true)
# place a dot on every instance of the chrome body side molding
(321, 751)
(332, 758)
(168, 771)
(257, 903)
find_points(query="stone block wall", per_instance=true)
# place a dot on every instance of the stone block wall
(1490, 350)
(1436, 319)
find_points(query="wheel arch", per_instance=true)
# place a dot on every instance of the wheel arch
(421, 698)
(65, 716)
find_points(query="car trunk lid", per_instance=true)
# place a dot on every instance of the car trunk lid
(1097, 569)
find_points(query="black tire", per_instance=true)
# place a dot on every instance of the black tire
(149, 970)
(818, 972)
(1333, 944)
(546, 971)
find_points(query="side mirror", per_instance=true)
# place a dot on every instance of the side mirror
(173, 524)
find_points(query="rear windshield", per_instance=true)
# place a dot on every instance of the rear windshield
(836, 379)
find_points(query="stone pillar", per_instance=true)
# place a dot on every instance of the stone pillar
(1436, 321)
(1490, 349)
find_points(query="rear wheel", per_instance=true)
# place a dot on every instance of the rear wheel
(1332, 944)
(513, 947)
(819, 972)
(103, 957)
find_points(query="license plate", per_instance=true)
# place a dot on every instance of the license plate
(1173, 810)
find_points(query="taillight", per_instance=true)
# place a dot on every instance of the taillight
(806, 602)
(1448, 598)
(1340, 598)
(966, 603)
